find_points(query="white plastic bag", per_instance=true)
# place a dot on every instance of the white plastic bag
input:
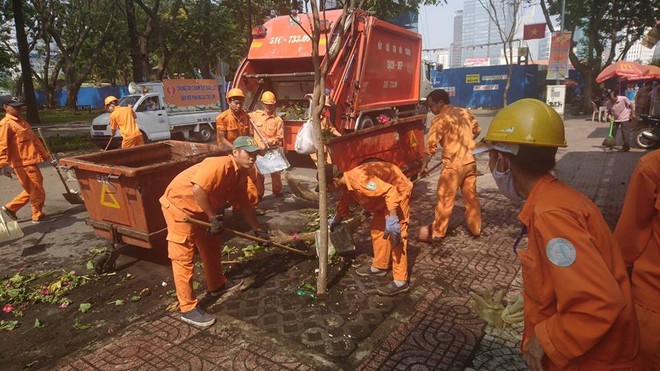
(305, 143)
(272, 161)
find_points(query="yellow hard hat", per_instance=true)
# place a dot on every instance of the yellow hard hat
(109, 100)
(529, 122)
(268, 98)
(235, 92)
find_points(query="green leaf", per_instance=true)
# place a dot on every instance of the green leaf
(84, 307)
(195, 285)
(81, 326)
(136, 298)
(8, 325)
(90, 265)
(117, 302)
(38, 323)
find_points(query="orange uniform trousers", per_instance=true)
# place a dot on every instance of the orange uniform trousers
(457, 175)
(384, 252)
(182, 239)
(32, 182)
(132, 141)
(649, 332)
(276, 182)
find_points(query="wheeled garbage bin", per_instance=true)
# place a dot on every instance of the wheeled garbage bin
(121, 188)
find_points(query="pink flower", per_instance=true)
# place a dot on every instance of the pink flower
(45, 292)
(64, 305)
(8, 308)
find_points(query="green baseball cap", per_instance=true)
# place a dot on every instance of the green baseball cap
(248, 144)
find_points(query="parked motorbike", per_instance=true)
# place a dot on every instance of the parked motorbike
(647, 134)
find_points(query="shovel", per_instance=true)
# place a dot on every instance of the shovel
(72, 196)
(609, 141)
(246, 236)
(9, 230)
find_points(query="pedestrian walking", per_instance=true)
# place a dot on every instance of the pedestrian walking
(454, 129)
(21, 152)
(201, 192)
(232, 123)
(638, 235)
(577, 297)
(623, 112)
(383, 190)
(123, 119)
(271, 128)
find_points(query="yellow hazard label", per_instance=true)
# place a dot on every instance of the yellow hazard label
(107, 198)
(413, 139)
(256, 44)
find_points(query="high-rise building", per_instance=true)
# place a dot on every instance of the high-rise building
(480, 38)
(455, 52)
(639, 53)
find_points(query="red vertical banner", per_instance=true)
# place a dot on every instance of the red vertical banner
(559, 49)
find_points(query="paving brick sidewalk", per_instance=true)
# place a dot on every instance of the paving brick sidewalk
(437, 331)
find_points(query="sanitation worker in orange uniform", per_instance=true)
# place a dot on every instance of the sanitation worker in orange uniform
(382, 189)
(200, 192)
(231, 124)
(123, 118)
(328, 131)
(454, 129)
(638, 234)
(271, 128)
(578, 308)
(21, 150)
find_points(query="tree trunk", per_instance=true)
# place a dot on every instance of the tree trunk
(26, 69)
(71, 86)
(248, 21)
(137, 57)
(509, 75)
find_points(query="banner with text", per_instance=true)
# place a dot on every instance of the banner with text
(182, 95)
(559, 49)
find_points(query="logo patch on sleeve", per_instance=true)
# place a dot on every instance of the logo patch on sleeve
(371, 185)
(561, 252)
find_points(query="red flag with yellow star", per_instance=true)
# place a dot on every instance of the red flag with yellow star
(534, 31)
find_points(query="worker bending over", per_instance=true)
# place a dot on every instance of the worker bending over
(201, 192)
(270, 127)
(21, 150)
(638, 235)
(231, 124)
(123, 118)
(382, 189)
(578, 304)
(454, 129)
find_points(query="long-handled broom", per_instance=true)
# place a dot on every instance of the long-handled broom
(609, 141)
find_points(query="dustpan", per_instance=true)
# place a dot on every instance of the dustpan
(9, 229)
(339, 240)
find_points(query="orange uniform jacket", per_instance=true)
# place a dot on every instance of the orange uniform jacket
(19, 146)
(376, 186)
(454, 129)
(270, 126)
(578, 299)
(123, 118)
(232, 126)
(638, 230)
(220, 177)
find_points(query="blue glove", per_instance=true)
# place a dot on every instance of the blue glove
(333, 222)
(393, 230)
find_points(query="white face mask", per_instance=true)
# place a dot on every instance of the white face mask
(504, 181)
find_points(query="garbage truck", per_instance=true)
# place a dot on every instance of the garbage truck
(182, 109)
(375, 84)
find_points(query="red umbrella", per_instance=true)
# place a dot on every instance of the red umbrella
(650, 73)
(623, 70)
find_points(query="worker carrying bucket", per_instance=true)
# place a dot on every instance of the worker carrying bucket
(21, 152)
(201, 192)
(383, 190)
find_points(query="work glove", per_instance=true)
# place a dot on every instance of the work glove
(264, 235)
(392, 230)
(333, 222)
(488, 306)
(7, 171)
(217, 225)
(514, 311)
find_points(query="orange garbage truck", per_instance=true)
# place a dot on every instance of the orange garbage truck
(375, 84)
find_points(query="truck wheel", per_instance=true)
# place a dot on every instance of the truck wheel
(204, 134)
(145, 138)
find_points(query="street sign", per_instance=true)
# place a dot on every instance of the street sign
(556, 97)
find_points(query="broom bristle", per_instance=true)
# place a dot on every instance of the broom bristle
(298, 189)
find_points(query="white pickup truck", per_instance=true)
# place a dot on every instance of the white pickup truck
(172, 109)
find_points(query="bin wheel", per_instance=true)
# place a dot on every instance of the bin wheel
(106, 263)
